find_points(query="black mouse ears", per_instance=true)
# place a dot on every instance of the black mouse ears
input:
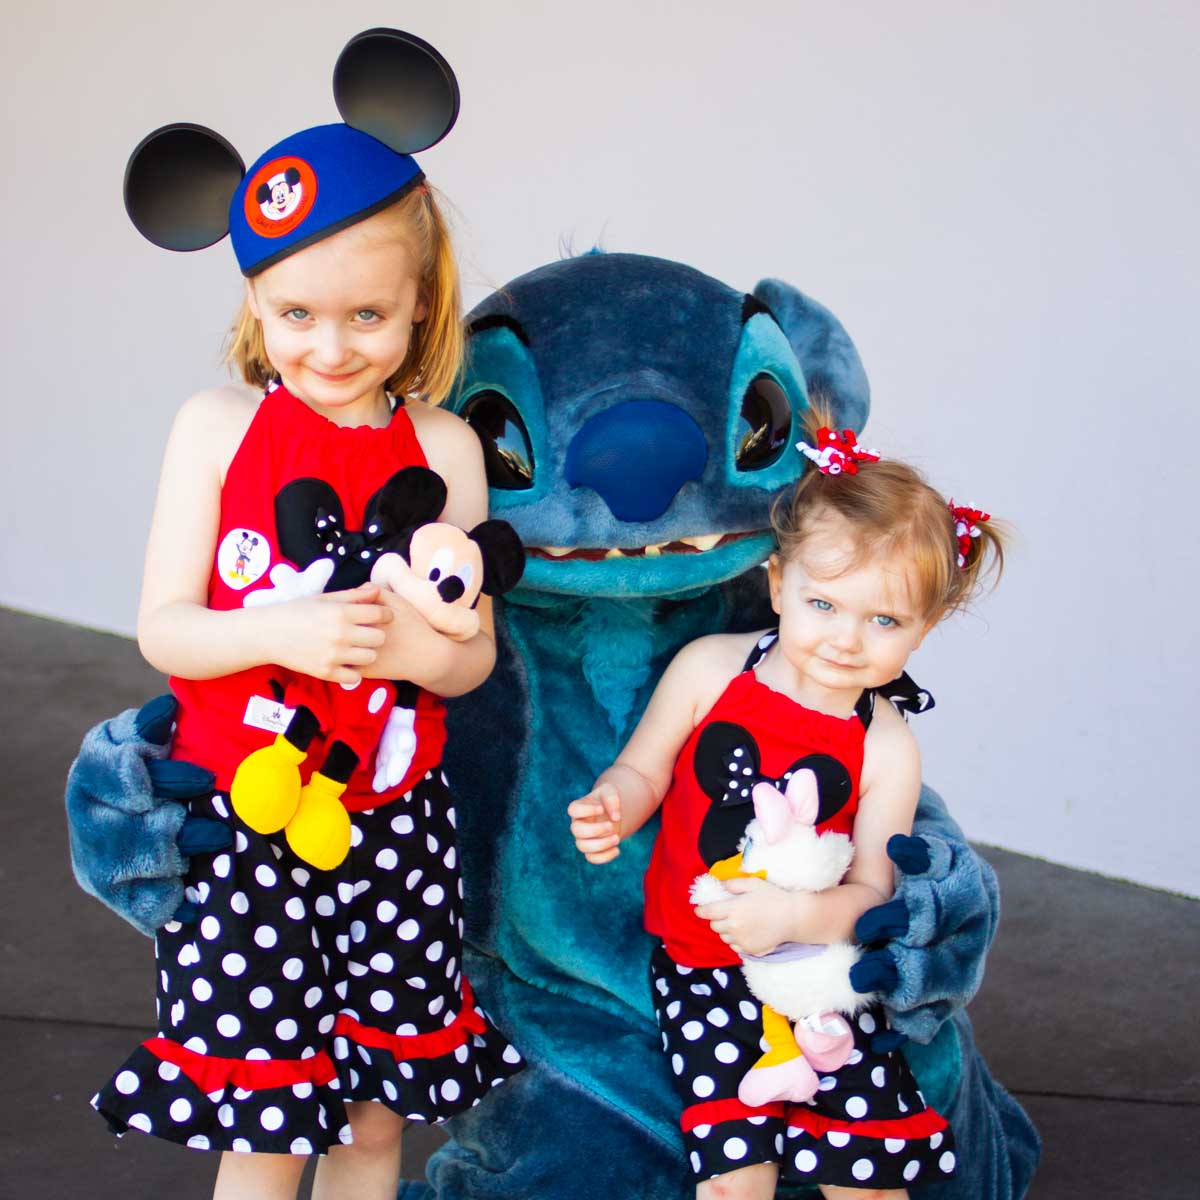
(181, 178)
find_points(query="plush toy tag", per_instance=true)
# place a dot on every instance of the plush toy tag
(263, 713)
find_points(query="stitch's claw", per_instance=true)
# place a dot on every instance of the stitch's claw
(910, 854)
(883, 922)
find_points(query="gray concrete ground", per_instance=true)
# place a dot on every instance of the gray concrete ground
(1087, 1013)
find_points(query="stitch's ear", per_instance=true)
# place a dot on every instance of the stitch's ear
(178, 185)
(832, 368)
(503, 556)
(397, 88)
(413, 496)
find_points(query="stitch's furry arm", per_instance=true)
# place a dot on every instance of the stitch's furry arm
(127, 817)
(937, 927)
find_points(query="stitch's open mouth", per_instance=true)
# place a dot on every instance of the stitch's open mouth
(701, 544)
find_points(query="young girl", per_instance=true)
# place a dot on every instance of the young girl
(870, 558)
(313, 1010)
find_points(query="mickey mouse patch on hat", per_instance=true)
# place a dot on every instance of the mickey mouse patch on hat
(279, 196)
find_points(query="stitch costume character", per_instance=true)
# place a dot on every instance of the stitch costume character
(301, 991)
(581, 644)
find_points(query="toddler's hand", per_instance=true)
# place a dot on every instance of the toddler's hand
(755, 919)
(596, 823)
(332, 636)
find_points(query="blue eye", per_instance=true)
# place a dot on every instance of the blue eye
(368, 315)
(885, 621)
(821, 605)
(296, 314)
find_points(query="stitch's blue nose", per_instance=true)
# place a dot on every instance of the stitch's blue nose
(637, 456)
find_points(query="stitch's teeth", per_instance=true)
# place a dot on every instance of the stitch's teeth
(615, 553)
(557, 551)
(655, 551)
(705, 541)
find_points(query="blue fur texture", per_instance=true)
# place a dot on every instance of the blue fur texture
(556, 949)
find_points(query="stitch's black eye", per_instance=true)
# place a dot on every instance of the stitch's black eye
(765, 424)
(507, 454)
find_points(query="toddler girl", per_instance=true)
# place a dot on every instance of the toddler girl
(870, 559)
(319, 1001)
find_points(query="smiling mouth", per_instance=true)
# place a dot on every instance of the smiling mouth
(702, 544)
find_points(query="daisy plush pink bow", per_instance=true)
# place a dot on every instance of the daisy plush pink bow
(836, 452)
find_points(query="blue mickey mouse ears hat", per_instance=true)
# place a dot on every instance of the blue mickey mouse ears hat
(186, 187)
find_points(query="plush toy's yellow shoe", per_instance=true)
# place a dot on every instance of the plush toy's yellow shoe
(319, 833)
(266, 786)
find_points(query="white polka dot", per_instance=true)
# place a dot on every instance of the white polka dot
(862, 1168)
(911, 1169)
(382, 1001)
(355, 968)
(301, 1146)
(854, 1059)
(312, 997)
(726, 1052)
(695, 1160)
(701, 989)
(356, 837)
(878, 1076)
(198, 1142)
(300, 876)
(806, 1161)
(673, 1009)
(692, 1030)
(431, 843)
(720, 978)
(703, 1086)
(946, 1162)
(451, 859)
(387, 860)
(402, 824)
(228, 1025)
(450, 1090)
(293, 968)
(325, 906)
(342, 942)
(177, 1011)
(241, 1146)
(272, 1118)
(210, 928)
(866, 1023)
(718, 1017)
(265, 875)
(233, 964)
(127, 1083)
(168, 1071)
(188, 954)
(856, 1107)
(286, 1030)
(240, 903)
(302, 1091)
(748, 1010)
(677, 1063)
(827, 1083)
(413, 878)
(378, 700)
(408, 930)
(735, 1149)
(221, 865)
(756, 1120)
(265, 936)
(358, 931)
(258, 1054)
(294, 908)
(900, 1104)
(838, 1139)
(225, 1115)
(261, 997)
(935, 1141)
(434, 895)
(436, 1005)
(140, 1121)
(702, 1131)
(198, 1044)
(202, 989)
(180, 1110)
(434, 951)
(893, 1145)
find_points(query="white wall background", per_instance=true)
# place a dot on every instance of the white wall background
(1000, 201)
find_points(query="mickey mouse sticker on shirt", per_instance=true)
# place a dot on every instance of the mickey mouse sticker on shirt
(242, 557)
(280, 196)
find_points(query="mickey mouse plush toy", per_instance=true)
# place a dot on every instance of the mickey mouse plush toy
(440, 570)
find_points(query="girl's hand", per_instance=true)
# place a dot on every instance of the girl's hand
(596, 823)
(757, 919)
(332, 636)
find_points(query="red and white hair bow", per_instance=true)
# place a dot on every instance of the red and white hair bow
(837, 452)
(966, 527)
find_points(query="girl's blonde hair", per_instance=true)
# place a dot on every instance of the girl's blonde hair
(892, 511)
(435, 348)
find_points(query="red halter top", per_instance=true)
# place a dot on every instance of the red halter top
(222, 720)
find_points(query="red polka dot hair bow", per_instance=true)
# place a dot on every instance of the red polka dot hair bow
(966, 527)
(837, 452)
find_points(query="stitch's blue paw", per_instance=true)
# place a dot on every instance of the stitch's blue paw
(910, 854)
(875, 972)
(127, 817)
(882, 922)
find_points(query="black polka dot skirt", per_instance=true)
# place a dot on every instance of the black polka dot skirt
(298, 990)
(867, 1127)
